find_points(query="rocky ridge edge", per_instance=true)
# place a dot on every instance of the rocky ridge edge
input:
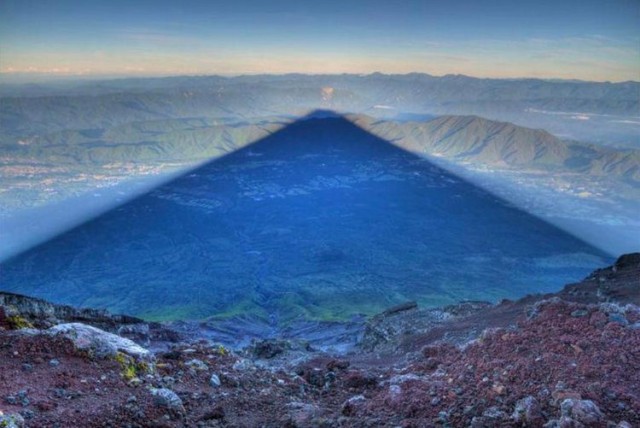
(570, 358)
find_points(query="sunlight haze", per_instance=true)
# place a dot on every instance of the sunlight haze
(588, 40)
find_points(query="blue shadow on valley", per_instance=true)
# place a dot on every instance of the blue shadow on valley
(320, 220)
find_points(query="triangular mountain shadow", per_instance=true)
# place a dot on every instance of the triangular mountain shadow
(321, 219)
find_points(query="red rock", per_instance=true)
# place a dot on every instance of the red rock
(360, 380)
(45, 406)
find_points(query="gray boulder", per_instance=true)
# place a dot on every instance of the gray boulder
(165, 397)
(99, 343)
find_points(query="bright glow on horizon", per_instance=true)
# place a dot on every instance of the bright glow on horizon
(585, 40)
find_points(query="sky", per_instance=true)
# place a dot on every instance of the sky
(573, 39)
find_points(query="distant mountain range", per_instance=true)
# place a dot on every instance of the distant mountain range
(458, 138)
(592, 111)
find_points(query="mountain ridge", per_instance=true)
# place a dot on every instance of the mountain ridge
(532, 103)
(476, 139)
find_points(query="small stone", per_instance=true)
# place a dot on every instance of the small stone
(28, 414)
(26, 367)
(579, 313)
(329, 380)
(435, 401)
(216, 413)
(498, 388)
(480, 422)
(583, 411)
(167, 398)
(214, 381)
(395, 391)
(45, 405)
(230, 380)
(22, 398)
(359, 380)
(350, 406)
(54, 363)
(469, 410)
(316, 378)
(528, 411)
(136, 381)
(598, 319)
(197, 364)
(432, 363)
(567, 422)
(494, 413)
(302, 413)
(338, 365)
(242, 365)
(560, 396)
(269, 348)
(430, 351)
(577, 349)
(618, 318)
(168, 380)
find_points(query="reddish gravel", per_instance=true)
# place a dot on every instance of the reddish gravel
(540, 361)
(552, 356)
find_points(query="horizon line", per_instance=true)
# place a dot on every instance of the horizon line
(52, 77)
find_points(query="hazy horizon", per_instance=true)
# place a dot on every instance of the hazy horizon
(576, 40)
(46, 78)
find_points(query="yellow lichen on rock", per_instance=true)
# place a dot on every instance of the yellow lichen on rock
(16, 322)
(130, 368)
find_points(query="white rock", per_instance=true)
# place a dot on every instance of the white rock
(395, 391)
(11, 421)
(101, 343)
(215, 380)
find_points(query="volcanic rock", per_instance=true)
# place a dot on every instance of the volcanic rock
(98, 342)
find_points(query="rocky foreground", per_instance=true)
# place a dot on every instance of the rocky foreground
(571, 359)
